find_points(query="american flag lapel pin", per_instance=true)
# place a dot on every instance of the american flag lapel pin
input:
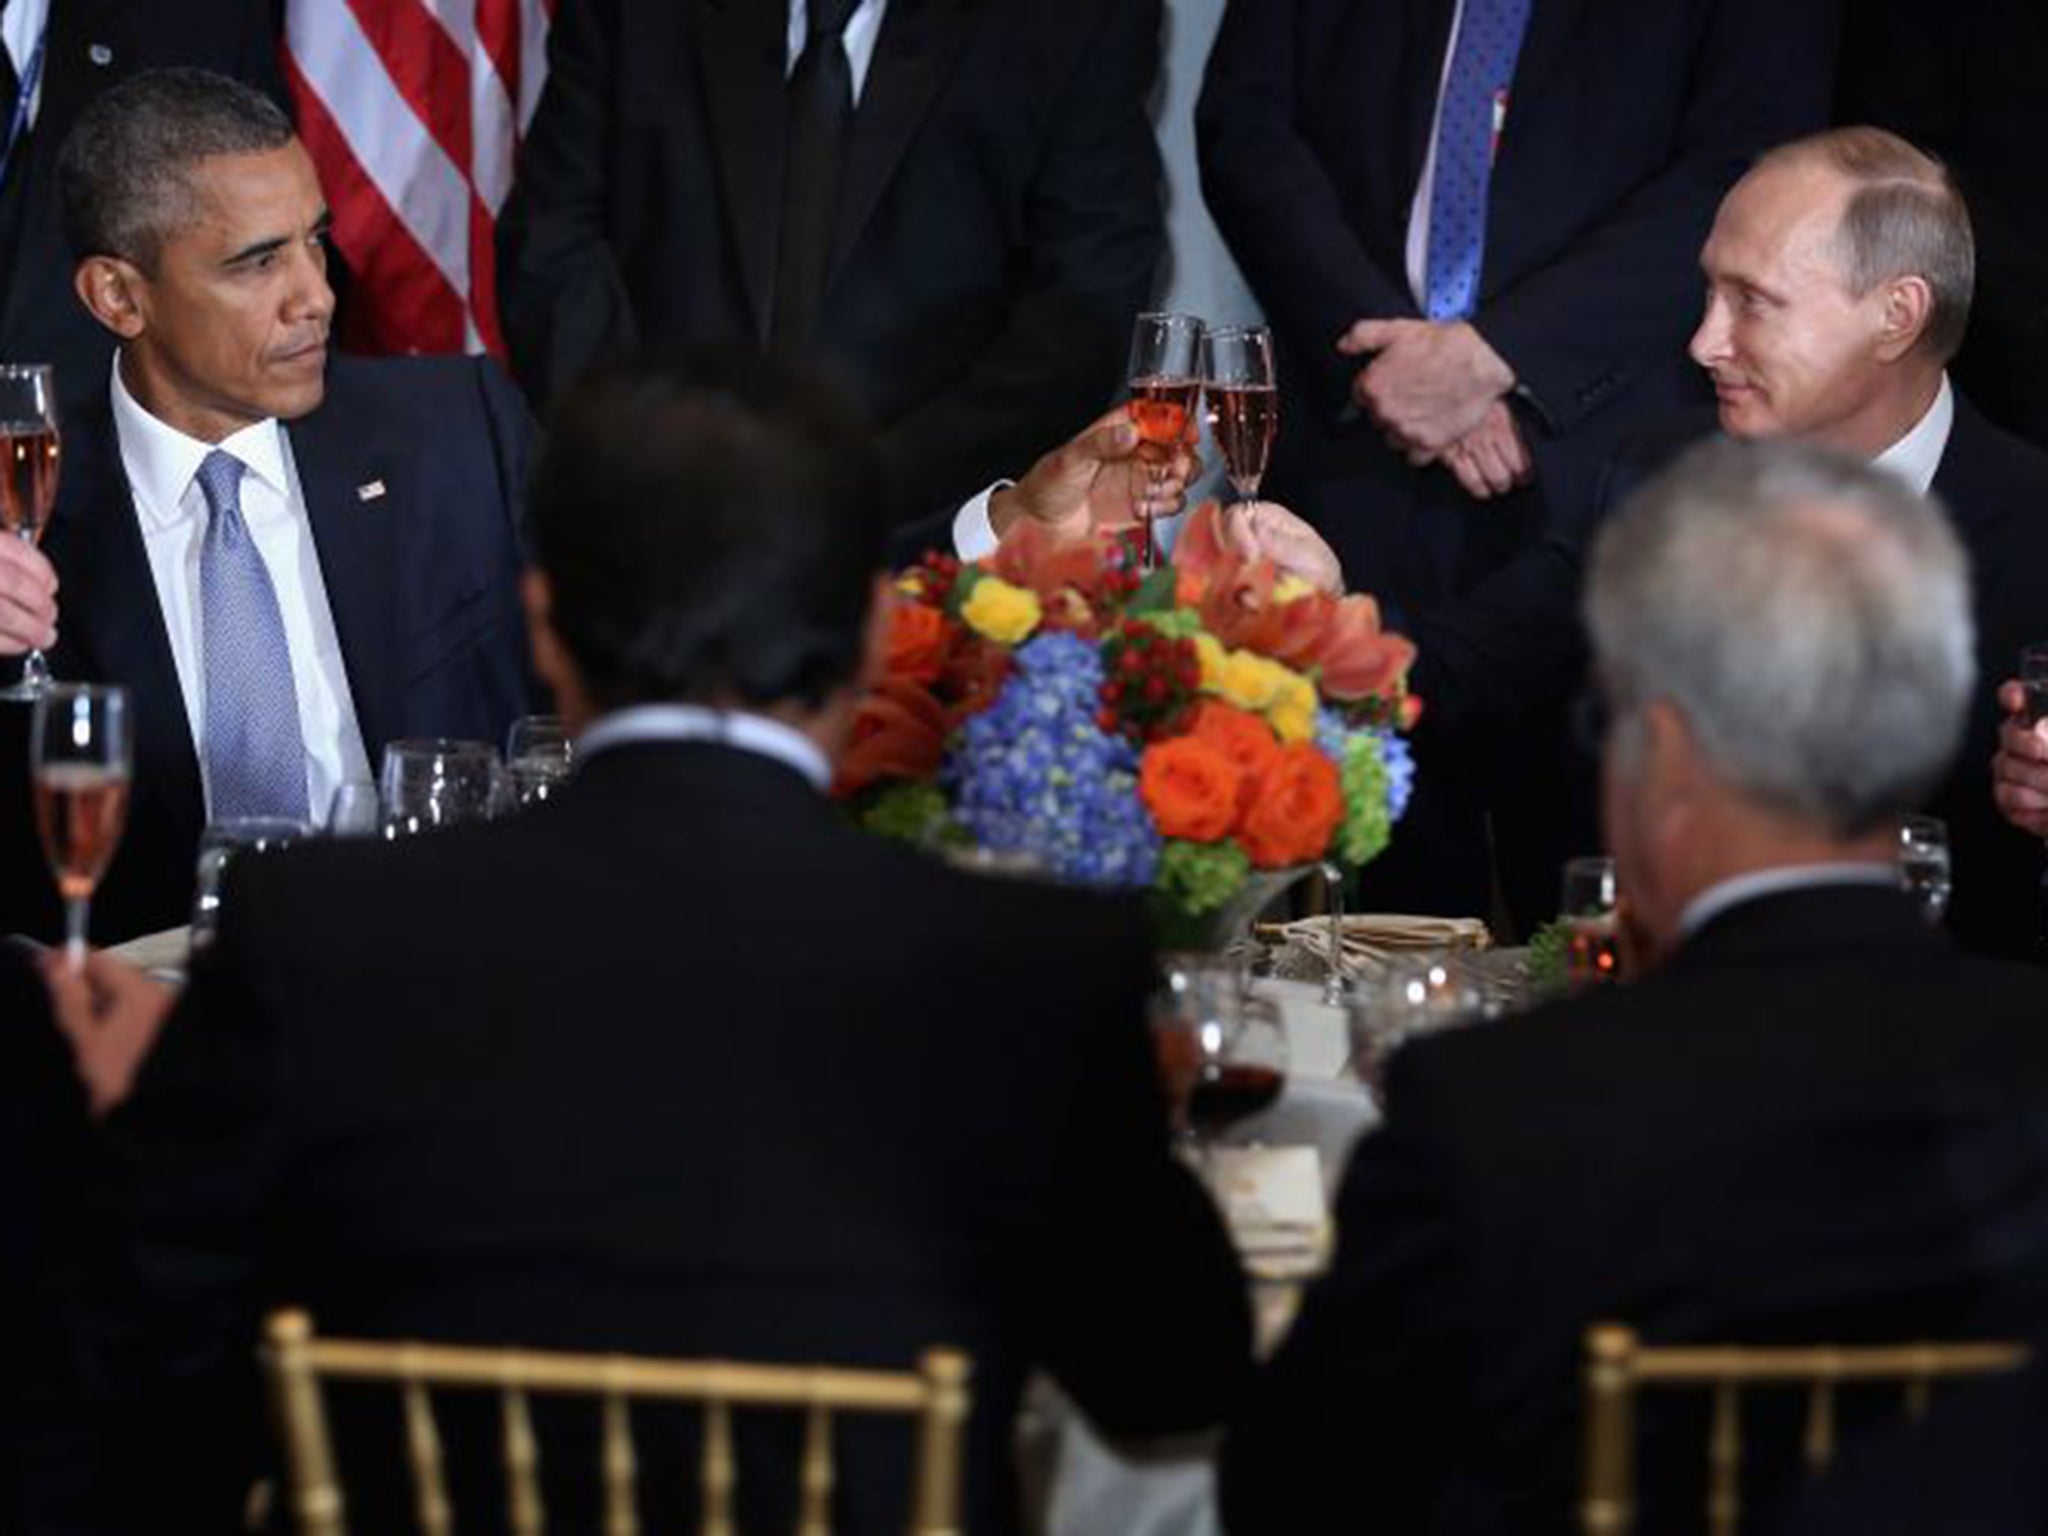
(100, 54)
(370, 490)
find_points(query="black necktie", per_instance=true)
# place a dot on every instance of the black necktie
(813, 145)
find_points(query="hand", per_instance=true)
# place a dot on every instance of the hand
(1265, 530)
(1427, 384)
(112, 1014)
(28, 598)
(1491, 459)
(2019, 769)
(1097, 482)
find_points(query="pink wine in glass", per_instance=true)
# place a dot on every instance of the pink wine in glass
(80, 810)
(28, 479)
(1245, 418)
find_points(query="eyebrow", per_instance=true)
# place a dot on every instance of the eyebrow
(261, 248)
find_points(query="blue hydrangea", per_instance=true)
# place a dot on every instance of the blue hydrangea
(1035, 774)
(1398, 759)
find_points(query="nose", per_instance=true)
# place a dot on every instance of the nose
(310, 296)
(1709, 343)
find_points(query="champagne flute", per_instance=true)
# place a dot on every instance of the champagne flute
(1165, 383)
(82, 757)
(1244, 406)
(28, 479)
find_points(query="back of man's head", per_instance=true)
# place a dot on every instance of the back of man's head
(710, 529)
(1808, 618)
(124, 173)
(1905, 217)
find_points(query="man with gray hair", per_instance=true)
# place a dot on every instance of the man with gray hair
(288, 561)
(1814, 1119)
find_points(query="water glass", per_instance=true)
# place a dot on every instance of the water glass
(219, 845)
(1924, 864)
(539, 753)
(431, 783)
(1418, 994)
(1587, 907)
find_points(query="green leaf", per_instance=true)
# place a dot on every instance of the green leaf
(1155, 593)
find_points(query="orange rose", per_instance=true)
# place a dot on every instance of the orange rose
(1239, 735)
(898, 732)
(1296, 810)
(1190, 788)
(919, 638)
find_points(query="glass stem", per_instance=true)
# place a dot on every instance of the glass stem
(1333, 897)
(76, 910)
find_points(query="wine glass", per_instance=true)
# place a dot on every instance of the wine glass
(538, 756)
(28, 479)
(82, 758)
(1593, 948)
(1417, 995)
(432, 782)
(1244, 406)
(1166, 357)
(219, 845)
(1222, 1052)
(354, 810)
(1924, 864)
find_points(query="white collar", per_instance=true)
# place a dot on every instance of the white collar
(161, 460)
(1726, 894)
(1915, 457)
(693, 722)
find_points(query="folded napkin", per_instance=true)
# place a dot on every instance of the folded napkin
(163, 955)
(1272, 1200)
(1372, 939)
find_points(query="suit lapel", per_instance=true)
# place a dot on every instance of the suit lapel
(355, 498)
(115, 633)
(920, 43)
(742, 57)
(1428, 34)
(1971, 505)
(1549, 39)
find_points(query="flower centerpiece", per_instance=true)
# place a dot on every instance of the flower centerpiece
(1186, 732)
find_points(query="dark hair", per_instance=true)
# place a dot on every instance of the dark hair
(123, 173)
(711, 527)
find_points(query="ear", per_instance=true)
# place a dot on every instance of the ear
(113, 290)
(1906, 306)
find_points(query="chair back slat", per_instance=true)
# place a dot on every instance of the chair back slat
(814, 1516)
(621, 1472)
(423, 1451)
(522, 1464)
(1617, 1369)
(296, 1364)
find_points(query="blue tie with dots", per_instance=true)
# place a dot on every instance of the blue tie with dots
(1489, 40)
(255, 755)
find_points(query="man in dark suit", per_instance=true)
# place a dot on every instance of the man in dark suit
(1816, 1119)
(288, 563)
(1476, 248)
(955, 205)
(703, 1095)
(87, 46)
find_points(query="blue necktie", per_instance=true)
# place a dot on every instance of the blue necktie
(1489, 40)
(255, 755)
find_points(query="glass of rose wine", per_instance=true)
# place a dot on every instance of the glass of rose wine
(1166, 382)
(82, 758)
(1244, 407)
(28, 479)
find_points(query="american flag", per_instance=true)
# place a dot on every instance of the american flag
(412, 110)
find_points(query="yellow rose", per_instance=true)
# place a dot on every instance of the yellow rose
(1001, 612)
(1292, 713)
(1251, 681)
(1209, 651)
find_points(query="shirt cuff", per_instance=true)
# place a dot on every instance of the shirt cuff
(974, 536)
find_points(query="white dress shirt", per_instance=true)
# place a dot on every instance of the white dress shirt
(21, 27)
(863, 26)
(162, 465)
(1916, 457)
(693, 722)
(1731, 893)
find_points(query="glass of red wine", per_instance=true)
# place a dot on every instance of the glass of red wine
(28, 479)
(81, 758)
(1222, 1050)
(1587, 907)
(1244, 407)
(1166, 381)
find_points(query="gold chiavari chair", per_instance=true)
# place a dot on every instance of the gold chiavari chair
(296, 1363)
(1617, 1366)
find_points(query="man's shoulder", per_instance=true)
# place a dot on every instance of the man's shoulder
(401, 386)
(1985, 463)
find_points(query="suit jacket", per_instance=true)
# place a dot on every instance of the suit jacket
(998, 221)
(422, 580)
(1993, 487)
(686, 1105)
(1818, 1121)
(94, 44)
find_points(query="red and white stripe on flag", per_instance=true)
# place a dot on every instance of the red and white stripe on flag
(413, 110)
